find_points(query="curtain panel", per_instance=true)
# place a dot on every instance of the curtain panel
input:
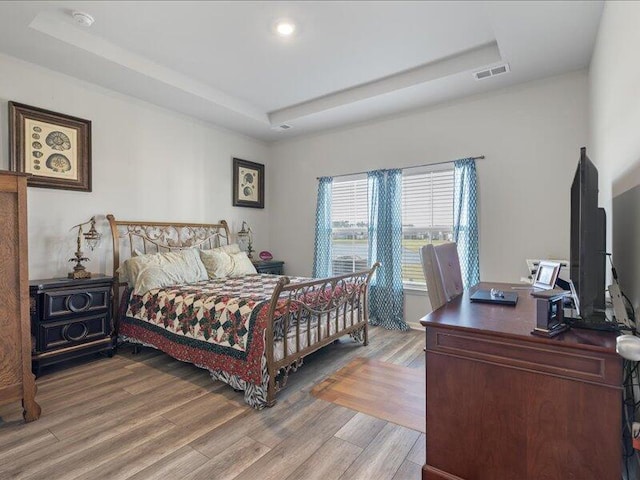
(322, 247)
(465, 220)
(386, 294)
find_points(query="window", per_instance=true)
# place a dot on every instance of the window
(427, 217)
(350, 221)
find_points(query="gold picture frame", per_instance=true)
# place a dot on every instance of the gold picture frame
(55, 149)
(248, 184)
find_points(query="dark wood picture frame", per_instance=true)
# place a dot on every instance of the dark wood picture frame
(248, 184)
(19, 155)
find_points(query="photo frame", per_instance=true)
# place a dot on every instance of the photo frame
(546, 275)
(54, 148)
(248, 184)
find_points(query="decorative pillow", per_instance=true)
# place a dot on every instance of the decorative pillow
(123, 271)
(218, 261)
(241, 265)
(180, 266)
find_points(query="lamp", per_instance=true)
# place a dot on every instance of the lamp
(91, 238)
(245, 238)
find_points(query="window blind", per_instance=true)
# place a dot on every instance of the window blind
(350, 221)
(427, 216)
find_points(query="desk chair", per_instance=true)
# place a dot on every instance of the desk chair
(441, 266)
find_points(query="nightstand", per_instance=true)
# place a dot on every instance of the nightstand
(70, 318)
(273, 267)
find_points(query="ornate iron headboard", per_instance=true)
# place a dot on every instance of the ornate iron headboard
(152, 237)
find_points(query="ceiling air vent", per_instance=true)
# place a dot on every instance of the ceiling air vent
(281, 128)
(491, 72)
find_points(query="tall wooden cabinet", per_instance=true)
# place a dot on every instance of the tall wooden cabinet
(16, 380)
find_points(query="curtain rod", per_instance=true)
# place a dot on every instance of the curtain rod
(480, 157)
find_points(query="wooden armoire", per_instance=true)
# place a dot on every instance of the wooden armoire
(16, 380)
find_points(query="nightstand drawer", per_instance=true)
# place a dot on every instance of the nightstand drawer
(65, 302)
(270, 267)
(65, 333)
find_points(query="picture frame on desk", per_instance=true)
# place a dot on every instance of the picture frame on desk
(546, 275)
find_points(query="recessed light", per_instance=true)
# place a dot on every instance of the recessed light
(285, 28)
(83, 18)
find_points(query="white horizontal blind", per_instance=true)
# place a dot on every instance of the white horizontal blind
(350, 221)
(427, 216)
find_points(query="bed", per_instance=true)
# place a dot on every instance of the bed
(249, 331)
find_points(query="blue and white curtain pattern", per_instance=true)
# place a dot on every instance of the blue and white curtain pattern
(386, 295)
(322, 251)
(465, 220)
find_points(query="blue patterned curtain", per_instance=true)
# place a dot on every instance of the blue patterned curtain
(386, 295)
(322, 254)
(465, 220)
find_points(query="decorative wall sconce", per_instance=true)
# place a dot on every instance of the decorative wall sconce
(91, 238)
(245, 239)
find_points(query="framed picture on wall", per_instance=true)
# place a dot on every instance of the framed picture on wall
(248, 184)
(54, 148)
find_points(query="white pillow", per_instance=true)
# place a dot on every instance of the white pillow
(217, 261)
(179, 266)
(241, 265)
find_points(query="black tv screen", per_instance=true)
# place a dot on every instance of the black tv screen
(588, 238)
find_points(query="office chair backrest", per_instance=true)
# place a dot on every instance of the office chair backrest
(441, 266)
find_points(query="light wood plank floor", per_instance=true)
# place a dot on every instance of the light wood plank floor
(148, 416)
(385, 390)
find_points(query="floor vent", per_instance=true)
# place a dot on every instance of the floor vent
(492, 72)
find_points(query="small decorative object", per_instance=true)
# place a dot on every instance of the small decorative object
(92, 238)
(245, 239)
(546, 275)
(54, 148)
(248, 184)
(265, 256)
(549, 316)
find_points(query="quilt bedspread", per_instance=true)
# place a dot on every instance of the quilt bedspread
(218, 324)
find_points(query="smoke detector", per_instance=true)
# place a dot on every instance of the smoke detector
(492, 72)
(83, 18)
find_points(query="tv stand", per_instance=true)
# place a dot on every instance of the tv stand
(596, 321)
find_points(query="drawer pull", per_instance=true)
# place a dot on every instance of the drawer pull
(74, 338)
(79, 302)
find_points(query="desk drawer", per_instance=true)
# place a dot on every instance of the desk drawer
(570, 363)
(64, 333)
(58, 303)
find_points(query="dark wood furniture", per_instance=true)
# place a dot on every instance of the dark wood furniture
(273, 267)
(16, 379)
(70, 318)
(505, 404)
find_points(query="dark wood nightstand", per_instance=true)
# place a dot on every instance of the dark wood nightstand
(70, 318)
(273, 267)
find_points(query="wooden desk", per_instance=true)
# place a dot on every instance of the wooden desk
(505, 404)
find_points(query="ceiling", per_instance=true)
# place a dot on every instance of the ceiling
(347, 62)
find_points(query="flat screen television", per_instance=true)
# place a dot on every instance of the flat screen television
(588, 240)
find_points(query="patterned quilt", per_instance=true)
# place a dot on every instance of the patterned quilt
(217, 324)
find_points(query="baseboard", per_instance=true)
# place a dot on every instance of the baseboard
(432, 473)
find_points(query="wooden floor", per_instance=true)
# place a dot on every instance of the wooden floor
(385, 390)
(148, 416)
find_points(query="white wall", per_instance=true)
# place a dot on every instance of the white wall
(530, 135)
(148, 164)
(614, 137)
